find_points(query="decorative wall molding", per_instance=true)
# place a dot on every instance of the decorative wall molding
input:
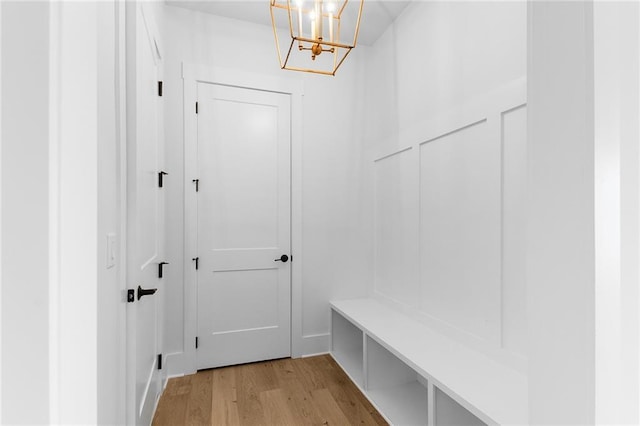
(399, 232)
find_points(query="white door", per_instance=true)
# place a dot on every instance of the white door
(145, 225)
(244, 276)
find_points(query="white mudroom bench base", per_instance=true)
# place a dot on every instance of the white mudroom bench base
(414, 375)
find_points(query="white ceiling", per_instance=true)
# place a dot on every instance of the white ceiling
(377, 15)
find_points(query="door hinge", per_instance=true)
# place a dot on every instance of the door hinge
(196, 342)
(196, 107)
(160, 265)
(197, 182)
(131, 296)
(161, 175)
(159, 361)
(197, 260)
(159, 88)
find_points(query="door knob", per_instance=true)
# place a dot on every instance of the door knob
(146, 292)
(284, 258)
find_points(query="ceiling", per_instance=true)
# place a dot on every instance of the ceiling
(377, 15)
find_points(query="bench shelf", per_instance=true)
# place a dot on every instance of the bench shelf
(414, 375)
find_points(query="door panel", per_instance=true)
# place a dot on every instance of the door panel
(243, 177)
(243, 225)
(226, 307)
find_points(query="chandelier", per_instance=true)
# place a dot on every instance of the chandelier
(322, 33)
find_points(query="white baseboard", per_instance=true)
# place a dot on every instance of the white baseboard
(174, 363)
(315, 344)
(312, 355)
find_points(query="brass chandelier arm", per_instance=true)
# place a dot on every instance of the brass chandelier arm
(326, 43)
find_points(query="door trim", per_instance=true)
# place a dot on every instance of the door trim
(193, 74)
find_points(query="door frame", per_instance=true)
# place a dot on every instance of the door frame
(193, 74)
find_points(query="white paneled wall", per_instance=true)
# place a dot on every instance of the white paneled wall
(459, 229)
(514, 180)
(396, 215)
(447, 144)
(449, 223)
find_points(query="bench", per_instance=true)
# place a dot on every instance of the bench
(414, 375)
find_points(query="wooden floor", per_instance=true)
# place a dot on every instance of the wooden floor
(304, 391)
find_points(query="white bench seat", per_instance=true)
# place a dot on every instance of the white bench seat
(494, 393)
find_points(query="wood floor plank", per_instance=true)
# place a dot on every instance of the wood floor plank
(298, 399)
(305, 391)
(276, 409)
(224, 400)
(308, 372)
(251, 380)
(199, 405)
(173, 406)
(328, 407)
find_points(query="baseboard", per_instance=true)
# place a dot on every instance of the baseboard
(318, 354)
(315, 344)
(174, 363)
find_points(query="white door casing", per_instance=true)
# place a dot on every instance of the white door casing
(145, 215)
(193, 75)
(244, 225)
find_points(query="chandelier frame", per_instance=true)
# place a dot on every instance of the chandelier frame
(315, 45)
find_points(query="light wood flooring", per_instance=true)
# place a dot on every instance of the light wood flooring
(303, 391)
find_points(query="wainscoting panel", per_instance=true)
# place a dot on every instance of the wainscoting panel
(460, 230)
(450, 217)
(396, 219)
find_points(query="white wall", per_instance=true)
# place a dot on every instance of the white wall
(25, 213)
(446, 143)
(582, 269)
(628, 92)
(58, 199)
(335, 255)
(74, 213)
(438, 55)
(1, 276)
(561, 171)
(111, 313)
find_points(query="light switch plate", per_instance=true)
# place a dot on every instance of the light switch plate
(111, 250)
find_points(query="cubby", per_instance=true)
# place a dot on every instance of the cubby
(448, 412)
(347, 347)
(395, 388)
(415, 376)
